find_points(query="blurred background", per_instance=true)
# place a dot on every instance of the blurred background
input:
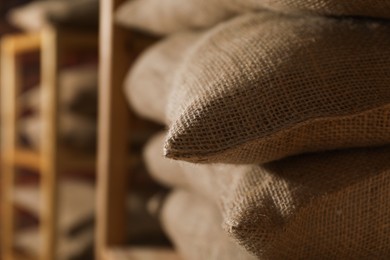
(27, 138)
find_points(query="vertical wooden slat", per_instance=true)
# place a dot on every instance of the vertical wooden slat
(49, 155)
(9, 91)
(10, 87)
(113, 131)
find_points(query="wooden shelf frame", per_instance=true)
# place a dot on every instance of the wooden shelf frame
(49, 161)
(113, 128)
(116, 125)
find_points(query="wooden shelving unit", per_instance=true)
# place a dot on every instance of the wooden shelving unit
(50, 160)
(116, 123)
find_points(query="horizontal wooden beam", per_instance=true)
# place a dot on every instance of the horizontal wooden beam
(23, 158)
(138, 253)
(20, 43)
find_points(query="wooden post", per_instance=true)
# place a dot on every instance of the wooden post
(10, 87)
(49, 156)
(112, 132)
(8, 143)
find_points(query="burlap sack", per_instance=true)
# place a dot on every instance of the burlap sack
(194, 225)
(265, 86)
(150, 79)
(36, 15)
(162, 169)
(76, 204)
(78, 92)
(325, 205)
(198, 179)
(30, 241)
(74, 132)
(168, 16)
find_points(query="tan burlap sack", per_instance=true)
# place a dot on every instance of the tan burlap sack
(265, 86)
(162, 169)
(194, 225)
(76, 211)
(76, 207)
(315, 206)
(30, 242)
(78, 92)
(150, 79)
(36, 15)
(168, 16)
(197, 178)
(74, 131)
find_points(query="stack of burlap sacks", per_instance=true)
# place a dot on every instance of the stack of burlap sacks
(278, 117)
(77, 110)
(35, 15)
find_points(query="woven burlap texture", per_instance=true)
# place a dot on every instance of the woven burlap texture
(188, 176)
(168, 16)
(194, 225)
(149, 81)
(153, 155)
(323, 205)
(265, 86)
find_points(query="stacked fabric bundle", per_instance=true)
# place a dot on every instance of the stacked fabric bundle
(38, 14)
(286, 113)
(78, 109)
(75, 223)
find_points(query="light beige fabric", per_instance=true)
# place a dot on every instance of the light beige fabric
(149, 81)
(168, 16)
(194, 225)
(323, 205)
(77, 109)
(76, 203)
(33, 16)
(36, 15)
(78, 89)
(75, 131)
(162, 169)
(200, 179)
(266, 86)
(75, 211)
(78, 92)
(68, 248)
